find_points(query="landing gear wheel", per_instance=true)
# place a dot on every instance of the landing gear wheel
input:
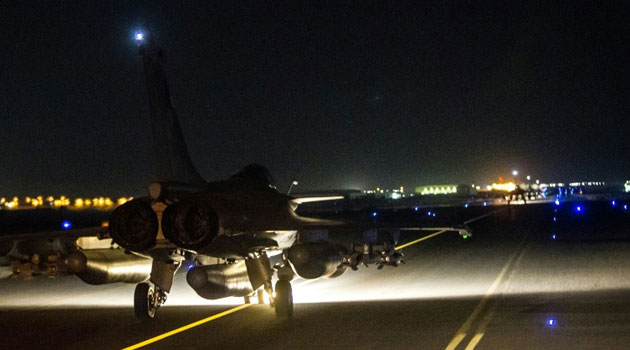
(144, 301)
(284, 299)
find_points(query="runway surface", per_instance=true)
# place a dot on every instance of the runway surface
(511, 286)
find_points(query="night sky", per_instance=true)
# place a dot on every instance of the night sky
(337, 96)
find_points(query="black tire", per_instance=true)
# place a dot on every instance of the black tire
(284, 299)
(143, 301)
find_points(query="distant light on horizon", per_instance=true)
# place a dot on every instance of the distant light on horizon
(506, 187)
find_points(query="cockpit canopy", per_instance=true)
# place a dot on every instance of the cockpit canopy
(257, 175)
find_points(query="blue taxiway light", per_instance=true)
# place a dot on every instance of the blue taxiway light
(557, 202)
(416, 208)
(625, 207)
(613, 203)
(429, 213)
(374, 214)
(485, 204)
(139, 36)
(551, 322)
(555, 219)
(466, 205)
(578, 208)
(553, 236)
(190, 266)
(66, 225)
(433, 214)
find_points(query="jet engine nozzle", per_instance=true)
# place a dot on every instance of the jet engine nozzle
(134, 225)
(190, 225)
(316, 260)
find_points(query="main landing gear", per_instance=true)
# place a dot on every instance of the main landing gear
(149, 296)
(147, 299)
(258, 297)
(283, 302)
(260, 274)
(281, 298)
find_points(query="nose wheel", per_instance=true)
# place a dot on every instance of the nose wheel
(147, 299)
(283, 302)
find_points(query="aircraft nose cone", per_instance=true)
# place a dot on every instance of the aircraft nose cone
(76, 262)
(197, 278)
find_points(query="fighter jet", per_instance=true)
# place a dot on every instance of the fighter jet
(229, 229)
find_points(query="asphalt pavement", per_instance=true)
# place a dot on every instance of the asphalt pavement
(523, 281)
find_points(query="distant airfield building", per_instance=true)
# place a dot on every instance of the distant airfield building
(446, 189)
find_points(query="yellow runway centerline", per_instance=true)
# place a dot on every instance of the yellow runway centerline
(463, 330)
(474, 341)
(187, 327)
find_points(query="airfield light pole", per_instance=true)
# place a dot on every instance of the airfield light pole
(293, 183)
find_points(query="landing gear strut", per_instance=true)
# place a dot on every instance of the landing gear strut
(260, 276)
(147, 299)
(256, 297)
(149, 296)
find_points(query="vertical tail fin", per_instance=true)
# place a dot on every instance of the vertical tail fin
(171, 155)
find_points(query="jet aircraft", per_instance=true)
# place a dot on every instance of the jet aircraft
(229, 229)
